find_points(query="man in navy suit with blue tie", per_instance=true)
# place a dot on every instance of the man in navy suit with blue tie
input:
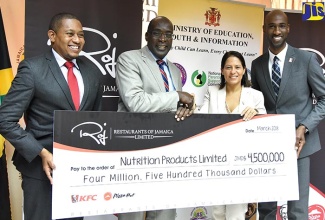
(299, 75)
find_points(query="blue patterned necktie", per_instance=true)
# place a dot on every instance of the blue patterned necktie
(276, 76)
(161, 64)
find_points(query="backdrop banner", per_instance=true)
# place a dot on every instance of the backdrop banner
(203, 31)
(111, 27)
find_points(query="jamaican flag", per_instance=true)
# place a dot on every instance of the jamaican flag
(6, 77)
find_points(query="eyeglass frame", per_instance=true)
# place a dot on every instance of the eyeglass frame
(159, 34)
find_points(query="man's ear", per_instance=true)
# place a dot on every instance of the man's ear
(146, 36)
(51, 34)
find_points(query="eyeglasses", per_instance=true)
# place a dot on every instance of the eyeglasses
(158, 34)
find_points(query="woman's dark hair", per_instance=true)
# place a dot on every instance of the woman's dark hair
(244, 81)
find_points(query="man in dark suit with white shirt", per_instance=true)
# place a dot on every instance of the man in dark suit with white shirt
(287, 85)
(40, 87)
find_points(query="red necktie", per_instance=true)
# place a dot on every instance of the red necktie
(73, 85)
(161, 64)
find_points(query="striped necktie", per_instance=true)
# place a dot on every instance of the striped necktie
(276, 76)
(161, 64)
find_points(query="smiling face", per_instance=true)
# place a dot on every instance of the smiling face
(233, 71)
(68, 40)
(276, 29)
(159, 36)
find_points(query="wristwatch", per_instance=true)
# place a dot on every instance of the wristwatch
(306, 129)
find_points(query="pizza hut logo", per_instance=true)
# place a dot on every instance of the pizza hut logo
(316, 212)
(107, 196)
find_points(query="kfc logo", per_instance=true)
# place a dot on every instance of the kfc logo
(85, 198)
(282, 212)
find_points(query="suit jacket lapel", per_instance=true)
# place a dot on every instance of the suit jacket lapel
(153, 66)
(243, 99)
(267, 74)
(56, 71)
(287, 70)
(85, 78)
(222, 100)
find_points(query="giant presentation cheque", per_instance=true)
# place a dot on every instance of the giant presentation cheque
(109, 162)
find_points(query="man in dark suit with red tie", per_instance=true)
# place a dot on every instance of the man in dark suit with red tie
(42, 85)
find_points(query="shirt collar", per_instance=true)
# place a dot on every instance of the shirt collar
(281, 55)
(164, 59)
(62, 61)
